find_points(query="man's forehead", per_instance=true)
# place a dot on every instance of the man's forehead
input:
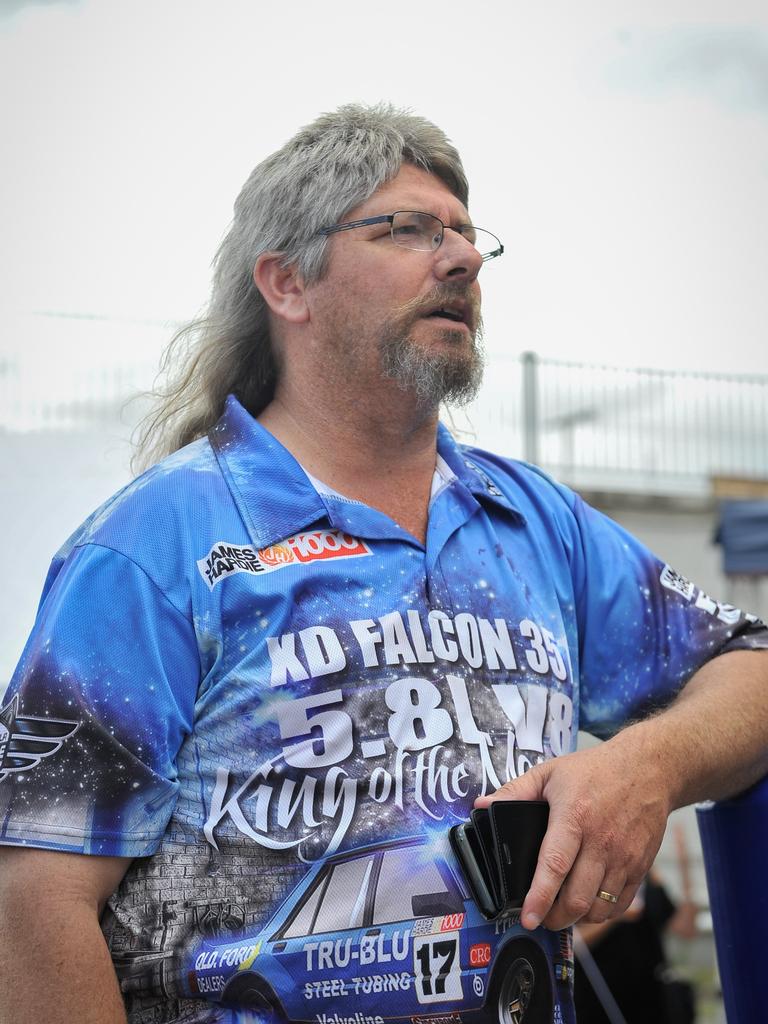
(413, 188)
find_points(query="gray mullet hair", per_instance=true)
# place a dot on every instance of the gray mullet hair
(328, 168)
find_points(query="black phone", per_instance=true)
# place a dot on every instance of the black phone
(498, 849)
(465, 844)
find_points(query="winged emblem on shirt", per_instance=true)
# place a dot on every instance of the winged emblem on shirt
(25, 741)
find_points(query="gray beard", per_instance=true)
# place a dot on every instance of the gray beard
(434, 377)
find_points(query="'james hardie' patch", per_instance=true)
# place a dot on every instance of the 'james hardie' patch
(316, 545)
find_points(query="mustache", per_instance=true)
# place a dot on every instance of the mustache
(439, 296)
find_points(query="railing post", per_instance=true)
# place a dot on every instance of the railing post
(530, 407)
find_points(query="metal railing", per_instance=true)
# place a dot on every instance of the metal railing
(637, 428)
(96, 399)
(62, 372)
(592, 426)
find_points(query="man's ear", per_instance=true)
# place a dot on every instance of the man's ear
(282, 288)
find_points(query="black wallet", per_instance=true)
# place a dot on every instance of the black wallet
(498, 849)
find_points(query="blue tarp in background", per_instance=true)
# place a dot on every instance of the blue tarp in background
(734, 838)
(743, 533)
(734, 833)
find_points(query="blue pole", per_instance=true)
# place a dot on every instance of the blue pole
(734, 838)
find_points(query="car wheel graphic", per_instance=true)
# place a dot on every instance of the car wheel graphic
(522, 992)
(250, 992)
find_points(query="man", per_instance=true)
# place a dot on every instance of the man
(270, 674)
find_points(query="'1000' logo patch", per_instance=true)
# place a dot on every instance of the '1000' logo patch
(316, 545)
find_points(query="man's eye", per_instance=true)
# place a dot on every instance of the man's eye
(406, 230)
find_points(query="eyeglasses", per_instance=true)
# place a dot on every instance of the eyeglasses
(423, 232)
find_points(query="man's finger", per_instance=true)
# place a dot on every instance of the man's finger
(578, 893)
(559, 850)
(529, 786)
(610, 894)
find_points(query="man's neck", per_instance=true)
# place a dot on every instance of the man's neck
(379, 452)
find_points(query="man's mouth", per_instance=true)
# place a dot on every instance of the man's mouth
(453, 311)
(448, 314)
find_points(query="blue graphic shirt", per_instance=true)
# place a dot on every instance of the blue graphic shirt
(279, 701)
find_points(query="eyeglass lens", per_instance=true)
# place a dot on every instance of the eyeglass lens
(424, 232)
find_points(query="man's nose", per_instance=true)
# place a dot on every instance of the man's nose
(457, 258)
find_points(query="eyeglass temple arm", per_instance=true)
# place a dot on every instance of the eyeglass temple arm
(356, 224)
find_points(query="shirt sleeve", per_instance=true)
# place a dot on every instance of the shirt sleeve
(643, 628)
(96, 712)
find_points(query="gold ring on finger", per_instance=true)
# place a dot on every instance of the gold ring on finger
(607, 896)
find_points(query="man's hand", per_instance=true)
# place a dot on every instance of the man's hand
(55, 965)
(608, 805)
(606, 824)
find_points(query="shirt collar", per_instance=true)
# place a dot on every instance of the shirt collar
(465, 465)
(276, 498)
(269, 487)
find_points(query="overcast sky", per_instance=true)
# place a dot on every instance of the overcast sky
(619, 149)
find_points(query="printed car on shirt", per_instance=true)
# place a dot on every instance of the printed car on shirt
(386, 933)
